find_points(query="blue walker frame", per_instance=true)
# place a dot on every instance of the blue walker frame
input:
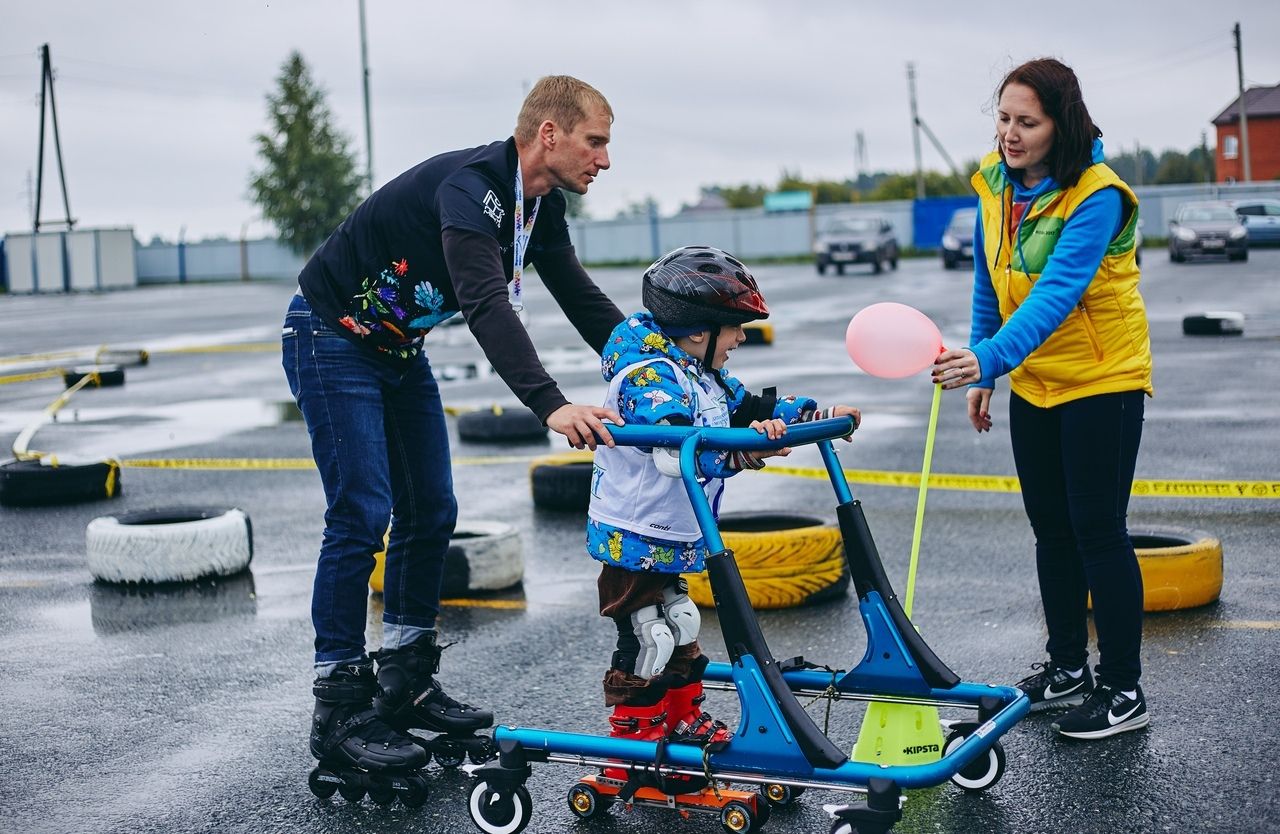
(776, 741)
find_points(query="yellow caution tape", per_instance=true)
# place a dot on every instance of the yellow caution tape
(511, 604)
(223, 464)
(1146, 488)
(5, 380)
(867, 477)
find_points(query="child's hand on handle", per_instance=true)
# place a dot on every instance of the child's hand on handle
(772, 429)
(848, 411)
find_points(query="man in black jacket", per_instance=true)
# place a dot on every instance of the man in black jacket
(445, 237)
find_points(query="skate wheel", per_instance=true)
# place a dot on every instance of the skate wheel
(415, 794)
(381, 794)
(983, 772)
(500, 812)
(584, 801)
(323, 783)
(736, 817)
(483, 752)
(351, 792)
(450, 756)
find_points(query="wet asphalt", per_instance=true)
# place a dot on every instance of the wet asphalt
(186, 709)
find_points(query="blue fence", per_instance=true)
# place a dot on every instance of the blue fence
(929, 218)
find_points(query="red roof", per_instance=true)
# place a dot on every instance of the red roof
(1260, 101)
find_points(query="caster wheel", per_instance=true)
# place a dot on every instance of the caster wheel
(842, 827)
(381, 794)
(737, 818)
(497, 812)
(450, 755)
(482, 753)
(323, 783)
(351, 792)
(780, 796)
(983, 772)
(584, 801)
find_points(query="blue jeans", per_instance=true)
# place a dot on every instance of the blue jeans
(1076, 462)
(380, 441)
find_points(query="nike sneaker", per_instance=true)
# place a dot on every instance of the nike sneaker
(1052, 688)
(1104, 713)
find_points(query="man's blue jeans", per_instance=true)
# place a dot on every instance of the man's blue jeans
(380, 441)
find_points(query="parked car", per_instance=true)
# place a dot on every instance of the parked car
(856, 239)
(957, 240)
(1262, 218)
(1207, 228)
(1137, 242)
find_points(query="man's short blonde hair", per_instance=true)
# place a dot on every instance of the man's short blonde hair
(562, 99)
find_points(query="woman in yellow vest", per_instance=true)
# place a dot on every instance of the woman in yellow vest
(1056, 307)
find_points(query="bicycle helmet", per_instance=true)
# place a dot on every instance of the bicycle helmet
(700, 287)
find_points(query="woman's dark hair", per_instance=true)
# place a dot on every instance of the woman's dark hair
(1058, 89)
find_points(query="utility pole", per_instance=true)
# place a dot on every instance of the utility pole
(1138, 165)
(860, 155)
(368, 122)
(1244, 115)
(915, 130)
(46, 88)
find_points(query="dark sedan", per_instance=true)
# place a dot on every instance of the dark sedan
(861, 239)
(957, 240)
(1207, 228)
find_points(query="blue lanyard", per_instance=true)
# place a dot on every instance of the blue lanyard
(521, 243)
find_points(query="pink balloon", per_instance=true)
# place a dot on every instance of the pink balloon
(892, 340)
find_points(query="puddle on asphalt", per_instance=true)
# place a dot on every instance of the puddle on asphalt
(126, 609)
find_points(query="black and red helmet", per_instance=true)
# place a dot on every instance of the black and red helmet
(702, 285)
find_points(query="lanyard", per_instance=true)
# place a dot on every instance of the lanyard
(523, 233)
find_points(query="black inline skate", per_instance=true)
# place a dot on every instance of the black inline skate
(411, 698)
(359, 754)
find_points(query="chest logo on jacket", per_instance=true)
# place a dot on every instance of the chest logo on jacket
(493, 208)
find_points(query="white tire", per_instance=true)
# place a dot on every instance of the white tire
(490, 559)
(177, 544)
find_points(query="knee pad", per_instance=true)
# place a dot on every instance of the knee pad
(656, 641)
(683, 617)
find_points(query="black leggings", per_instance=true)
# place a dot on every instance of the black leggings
(1075, 462)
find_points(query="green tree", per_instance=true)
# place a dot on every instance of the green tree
(308, 183)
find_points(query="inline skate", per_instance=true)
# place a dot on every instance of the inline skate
(409, 697)
(358, 752)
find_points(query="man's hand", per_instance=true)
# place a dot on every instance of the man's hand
(581, 424)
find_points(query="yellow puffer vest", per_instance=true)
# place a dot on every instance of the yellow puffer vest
(1102, 346)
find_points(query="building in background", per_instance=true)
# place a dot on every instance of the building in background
(1263, 107)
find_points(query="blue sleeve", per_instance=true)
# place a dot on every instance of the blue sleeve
(789, 409)
(1072, 266)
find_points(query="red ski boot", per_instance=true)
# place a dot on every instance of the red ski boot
(641, 723)
(686, 719)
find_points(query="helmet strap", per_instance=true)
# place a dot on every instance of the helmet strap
(710, 355)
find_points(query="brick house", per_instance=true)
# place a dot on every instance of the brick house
(1263, 105)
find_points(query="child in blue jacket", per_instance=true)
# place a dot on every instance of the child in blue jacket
(666, 366)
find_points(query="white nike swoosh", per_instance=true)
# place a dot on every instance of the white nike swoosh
(1049, 694)
(1114, 719)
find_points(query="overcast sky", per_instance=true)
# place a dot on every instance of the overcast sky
(158, 101)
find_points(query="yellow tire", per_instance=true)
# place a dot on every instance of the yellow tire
(1180, 568)
(785, 560)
